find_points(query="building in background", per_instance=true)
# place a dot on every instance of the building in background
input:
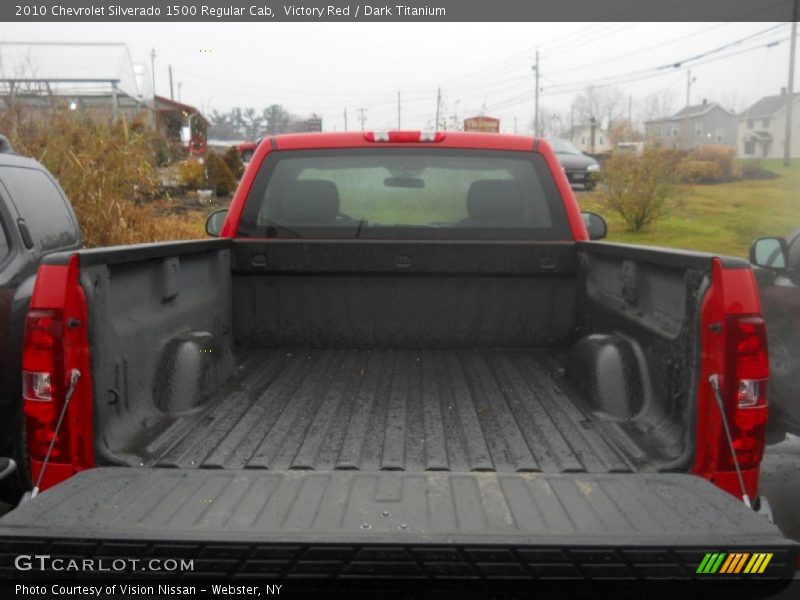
(181, 124)
(705, 124)
(100, 79)
(581, 137)
(97, 77)
(762, 128)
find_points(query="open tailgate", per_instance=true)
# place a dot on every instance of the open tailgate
(345, 524)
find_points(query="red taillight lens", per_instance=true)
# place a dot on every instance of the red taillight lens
(749, 341)
(43, 383)
(404, 137)
(746, 392)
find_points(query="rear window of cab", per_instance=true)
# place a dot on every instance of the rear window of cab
(402, 193)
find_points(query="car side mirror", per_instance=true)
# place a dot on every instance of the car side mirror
(595, 225)
(215, 221)
(769, 252)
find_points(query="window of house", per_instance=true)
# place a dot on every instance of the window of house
(750, 123)
(765, 122)
(698, 129)
(720, 135)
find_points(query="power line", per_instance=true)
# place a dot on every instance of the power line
(639, 75)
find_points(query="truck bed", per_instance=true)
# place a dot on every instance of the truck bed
(406, 410)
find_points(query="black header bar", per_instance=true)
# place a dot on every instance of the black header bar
(272, 11)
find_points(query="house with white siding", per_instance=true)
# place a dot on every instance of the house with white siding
(762, 127)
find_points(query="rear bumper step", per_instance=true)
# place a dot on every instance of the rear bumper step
(351, 524)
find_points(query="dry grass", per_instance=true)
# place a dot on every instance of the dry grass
(107, 171)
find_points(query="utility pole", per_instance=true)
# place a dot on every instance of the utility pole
(787, 146)
(363, 112)
(687, 123)
(171, 94)
(398, 110)
(536, 97)
(345, 118)
(153, 68)
(438, 104)
(572, 121)
(179, 90)
(630, 111)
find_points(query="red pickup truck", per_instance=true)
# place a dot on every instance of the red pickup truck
(404, 357)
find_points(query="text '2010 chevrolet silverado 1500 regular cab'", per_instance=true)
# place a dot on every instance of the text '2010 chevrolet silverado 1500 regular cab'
(404, 357)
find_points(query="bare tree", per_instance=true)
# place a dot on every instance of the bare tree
(604, 104)
(222, 126)
(730, 100)
(277, 119)
(551, 122)
(657, 105)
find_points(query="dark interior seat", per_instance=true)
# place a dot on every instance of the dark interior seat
(494, 202)
(311, 201)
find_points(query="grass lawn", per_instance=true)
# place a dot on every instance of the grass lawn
(723, 218)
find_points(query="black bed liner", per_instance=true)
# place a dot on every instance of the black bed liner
(413, 410)
(348, 524)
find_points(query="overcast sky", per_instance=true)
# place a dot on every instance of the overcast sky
(326, 67)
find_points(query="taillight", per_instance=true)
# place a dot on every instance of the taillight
(404, 137)
(43, 383)
(747, 372)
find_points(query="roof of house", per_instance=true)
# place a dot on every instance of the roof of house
(66, 65)
(688, 112)
(767, 106)
(163, 104)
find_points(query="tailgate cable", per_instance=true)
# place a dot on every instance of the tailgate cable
(74, 375)
(714, 381)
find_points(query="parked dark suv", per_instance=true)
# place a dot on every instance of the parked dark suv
(36, 219)
(778, 276)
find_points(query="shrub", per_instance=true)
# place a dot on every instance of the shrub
(220, 178)
(234, 161)
(192, 174)
(752, 168)
(723, 157)
(166, 153)
(642, 189)
(698, 171)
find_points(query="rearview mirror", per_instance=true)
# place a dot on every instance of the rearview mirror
(595, 225)
(769, 252)
(215, 221)
(404, 182)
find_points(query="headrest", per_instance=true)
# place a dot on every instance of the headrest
(309, 201)
(495, 199)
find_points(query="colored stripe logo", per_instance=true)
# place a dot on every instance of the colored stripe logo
(734, 563)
